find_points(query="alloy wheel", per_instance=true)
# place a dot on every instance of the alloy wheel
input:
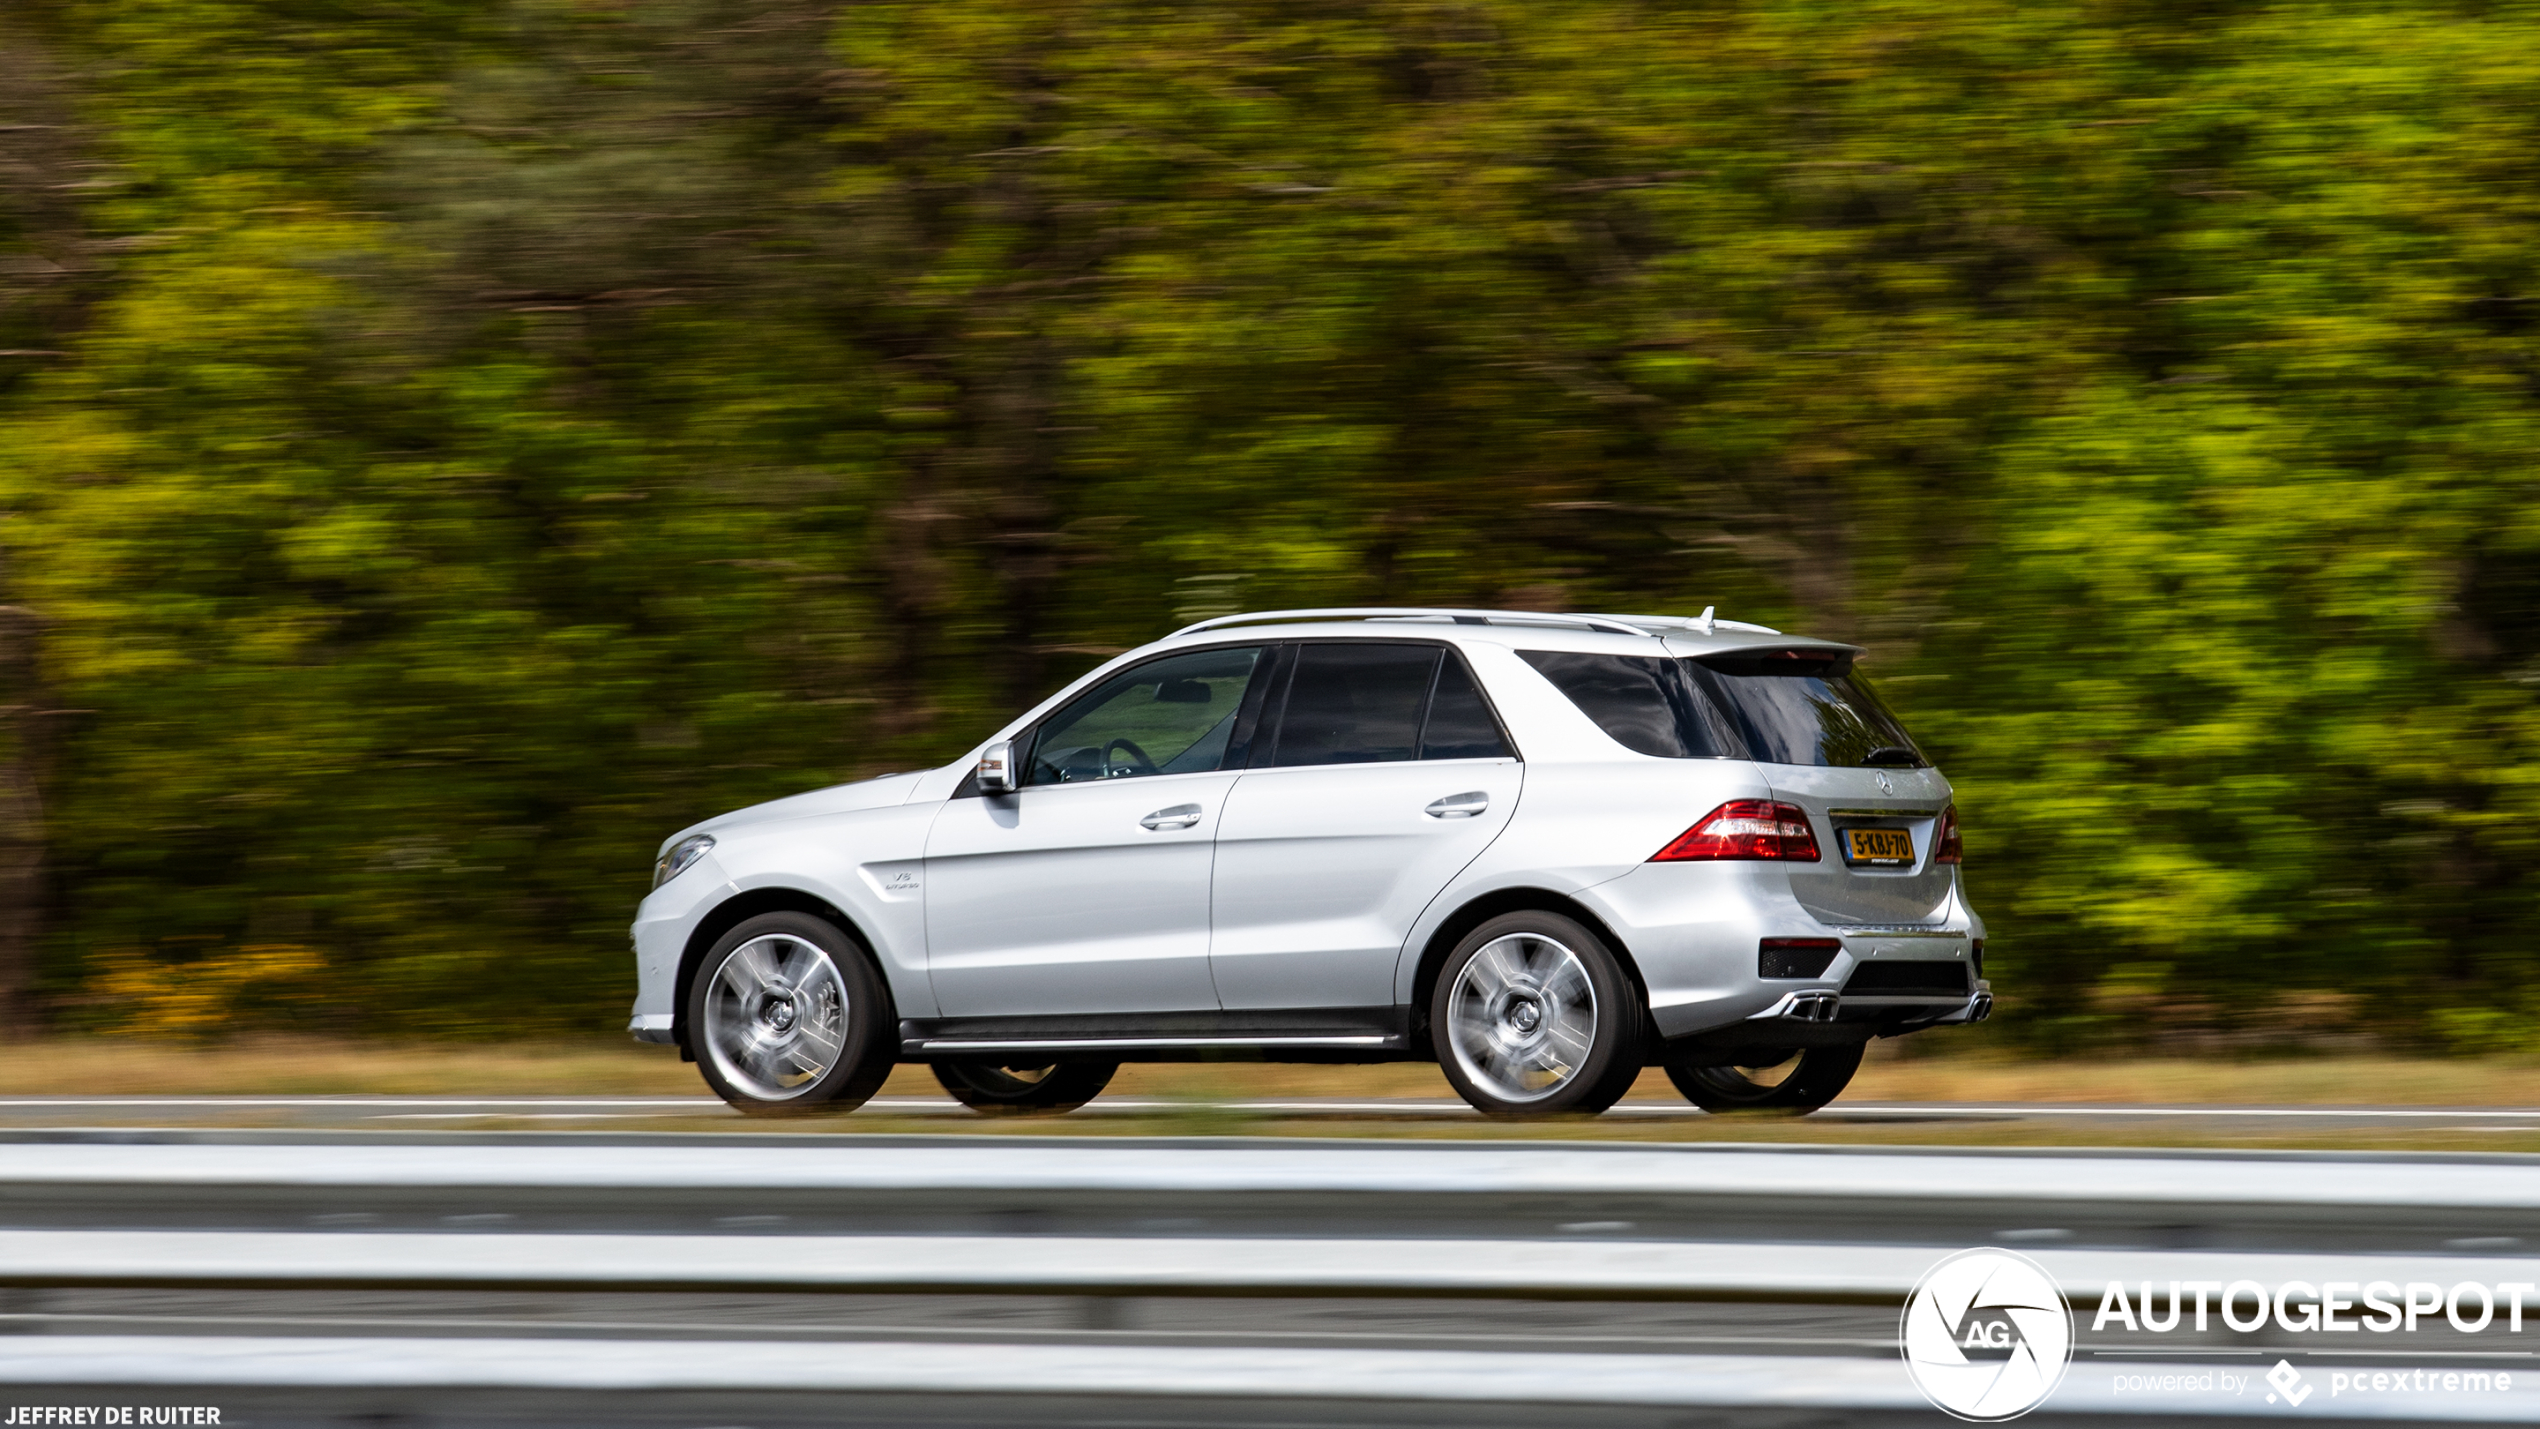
(1521, 1020)
(775, 1016)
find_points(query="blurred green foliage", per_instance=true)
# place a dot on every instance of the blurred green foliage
(447, 445)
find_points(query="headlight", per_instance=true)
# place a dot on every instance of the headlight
(683, 853)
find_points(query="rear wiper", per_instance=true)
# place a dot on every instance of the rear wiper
(1893, 755)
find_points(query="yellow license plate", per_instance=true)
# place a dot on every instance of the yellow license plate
(1878, 846)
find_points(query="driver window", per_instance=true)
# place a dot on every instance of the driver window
(1169, 716)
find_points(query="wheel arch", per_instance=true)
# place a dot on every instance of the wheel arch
(1482, 909)
(730, 914)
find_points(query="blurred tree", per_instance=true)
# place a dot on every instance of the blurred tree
(49, 268)
(511, 429)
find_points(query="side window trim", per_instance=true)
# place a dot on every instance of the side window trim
(1429, 704)
(1264, 753)
(1257, 717)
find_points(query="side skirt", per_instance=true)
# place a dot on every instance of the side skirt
(1320, 1034)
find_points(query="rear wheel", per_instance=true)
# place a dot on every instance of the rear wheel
(992, 1089)
(1533, 1017)
(788, 1017)
(1792, 1083)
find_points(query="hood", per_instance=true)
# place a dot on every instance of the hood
(878, 793)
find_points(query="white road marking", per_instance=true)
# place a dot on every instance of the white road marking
(2485, 1119)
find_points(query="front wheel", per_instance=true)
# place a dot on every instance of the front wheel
(1789, 1083)
(1534, 1017)
(788, 1016)
(992, 1089)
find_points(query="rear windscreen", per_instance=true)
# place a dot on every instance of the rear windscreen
(1796, 707)
(1774, 707)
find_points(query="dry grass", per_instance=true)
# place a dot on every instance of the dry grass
(308, 1067)
(311, 1067)
(1202, 1095)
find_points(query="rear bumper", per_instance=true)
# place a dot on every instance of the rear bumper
(650, 1027)
(1978, 1008)
(1694, 930)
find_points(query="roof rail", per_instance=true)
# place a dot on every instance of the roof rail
(1705, 623)
(1608, 623)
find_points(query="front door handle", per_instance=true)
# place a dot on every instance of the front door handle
(1458, 806)
(1180, 816)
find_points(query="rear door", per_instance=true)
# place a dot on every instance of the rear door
(1086, 891)
(1383, 775)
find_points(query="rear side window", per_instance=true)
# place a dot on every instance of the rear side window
(1356, 703)
(1798, 707)
(1367, 702)
(1646, 703)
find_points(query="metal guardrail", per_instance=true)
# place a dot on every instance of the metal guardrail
(1436, 1224)
(1543, 1383)
(1793, 1272)
(2133, 1180)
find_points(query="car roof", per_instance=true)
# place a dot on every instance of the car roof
(1523, 629)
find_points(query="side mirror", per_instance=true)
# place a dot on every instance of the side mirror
(996, 768)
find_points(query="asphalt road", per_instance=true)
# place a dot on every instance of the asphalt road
(419, 1112)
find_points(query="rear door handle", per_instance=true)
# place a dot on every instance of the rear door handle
(1180, 816)
(1458, 806)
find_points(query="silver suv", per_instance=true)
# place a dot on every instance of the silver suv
(1545, 851)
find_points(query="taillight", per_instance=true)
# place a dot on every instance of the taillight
(1746, 828)
(1946, 848)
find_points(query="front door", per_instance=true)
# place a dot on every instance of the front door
(1086, 891)
(1388, 775)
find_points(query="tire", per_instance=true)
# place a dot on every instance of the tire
(788, 1017)
(1533, 1016)
(1789, 1086)
(992, 1089)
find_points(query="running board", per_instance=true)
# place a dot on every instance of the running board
(1091, 1044)
(1373, 1031)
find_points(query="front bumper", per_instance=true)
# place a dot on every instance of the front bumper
(660, 935)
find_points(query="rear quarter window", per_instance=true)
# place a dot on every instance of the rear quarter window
(1645, 703)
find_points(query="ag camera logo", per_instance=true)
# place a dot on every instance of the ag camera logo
(1987, 1335)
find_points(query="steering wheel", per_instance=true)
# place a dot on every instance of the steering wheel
(1144, 765)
